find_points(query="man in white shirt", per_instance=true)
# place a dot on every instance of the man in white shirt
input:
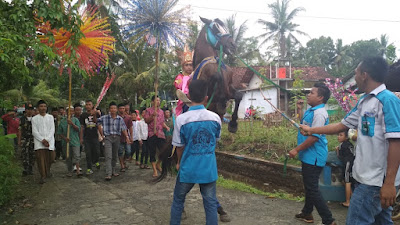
(43, 133)
(377, 120)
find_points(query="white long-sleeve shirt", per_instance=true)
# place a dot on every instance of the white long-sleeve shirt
(143, 130)
(43, 128)
(135, 129)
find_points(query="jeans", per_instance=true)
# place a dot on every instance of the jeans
(365, 207)
(111, 147)
(310, 175)
(92, 149)
(144, 156)
(124, 146)
(208, 191)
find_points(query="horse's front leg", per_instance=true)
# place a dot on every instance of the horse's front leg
(233, 126)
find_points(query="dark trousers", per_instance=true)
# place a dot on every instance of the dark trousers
(313, 195)
(59, 150)
(92, 150)
(154, 142)
(135, 150)
(144, 156)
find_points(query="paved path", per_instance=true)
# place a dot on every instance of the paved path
(132, 199)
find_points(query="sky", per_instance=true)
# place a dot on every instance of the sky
(350, 20)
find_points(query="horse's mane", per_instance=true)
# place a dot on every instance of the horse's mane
(202, 32)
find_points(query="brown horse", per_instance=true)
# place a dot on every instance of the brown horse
(213, 35)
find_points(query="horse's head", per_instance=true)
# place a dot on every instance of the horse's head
(217, 35)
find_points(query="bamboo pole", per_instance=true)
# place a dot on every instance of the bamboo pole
(69, 109)
(156, 82)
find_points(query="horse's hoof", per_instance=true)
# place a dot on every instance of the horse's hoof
(232, 127)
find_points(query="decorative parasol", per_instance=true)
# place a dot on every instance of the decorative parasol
(154, 22)
(90, 53)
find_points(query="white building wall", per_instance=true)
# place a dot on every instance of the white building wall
(255, 99)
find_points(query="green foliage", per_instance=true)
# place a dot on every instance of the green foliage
(391, 54)
(298, 86)
(317, 52)
(20, 49)
(235, 185)
(270, 143)
(42, 91)
(338, 59)
(10, 171)
(147, 102)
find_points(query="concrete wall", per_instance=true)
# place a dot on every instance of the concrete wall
(254, 98)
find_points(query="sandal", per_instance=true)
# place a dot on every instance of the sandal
(108, 178)
(142, 166)
(116, 174)
(344, 205)
(79, 174)
(146, 167)
(122, 170)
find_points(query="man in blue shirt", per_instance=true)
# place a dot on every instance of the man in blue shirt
(313, 151)
(377, 120)
(195, 135)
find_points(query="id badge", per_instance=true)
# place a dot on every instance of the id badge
(368, 125)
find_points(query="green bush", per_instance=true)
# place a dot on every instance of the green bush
(10, 171)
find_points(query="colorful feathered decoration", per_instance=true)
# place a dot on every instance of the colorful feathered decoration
(155, 22)
(105, 88)
(92, 51)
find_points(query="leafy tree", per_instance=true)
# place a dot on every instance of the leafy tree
(282, 26)
(317, 52)
(21, 50)
(361, 49)
(391, 54)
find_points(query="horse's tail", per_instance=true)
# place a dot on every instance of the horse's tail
(168, 161)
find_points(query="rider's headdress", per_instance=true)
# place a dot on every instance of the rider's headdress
(186, 55)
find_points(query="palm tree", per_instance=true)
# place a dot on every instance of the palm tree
(282, 29)
(237, 35)
(384, 41)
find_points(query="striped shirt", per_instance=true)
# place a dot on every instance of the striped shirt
(112, 126)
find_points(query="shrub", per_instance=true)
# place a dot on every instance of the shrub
(10, 171)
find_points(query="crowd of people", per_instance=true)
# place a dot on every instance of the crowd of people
(130, 136)
(124, 134)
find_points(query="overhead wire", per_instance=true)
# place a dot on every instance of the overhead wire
(300, 16)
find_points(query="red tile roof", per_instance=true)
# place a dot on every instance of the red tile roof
(244, 74)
